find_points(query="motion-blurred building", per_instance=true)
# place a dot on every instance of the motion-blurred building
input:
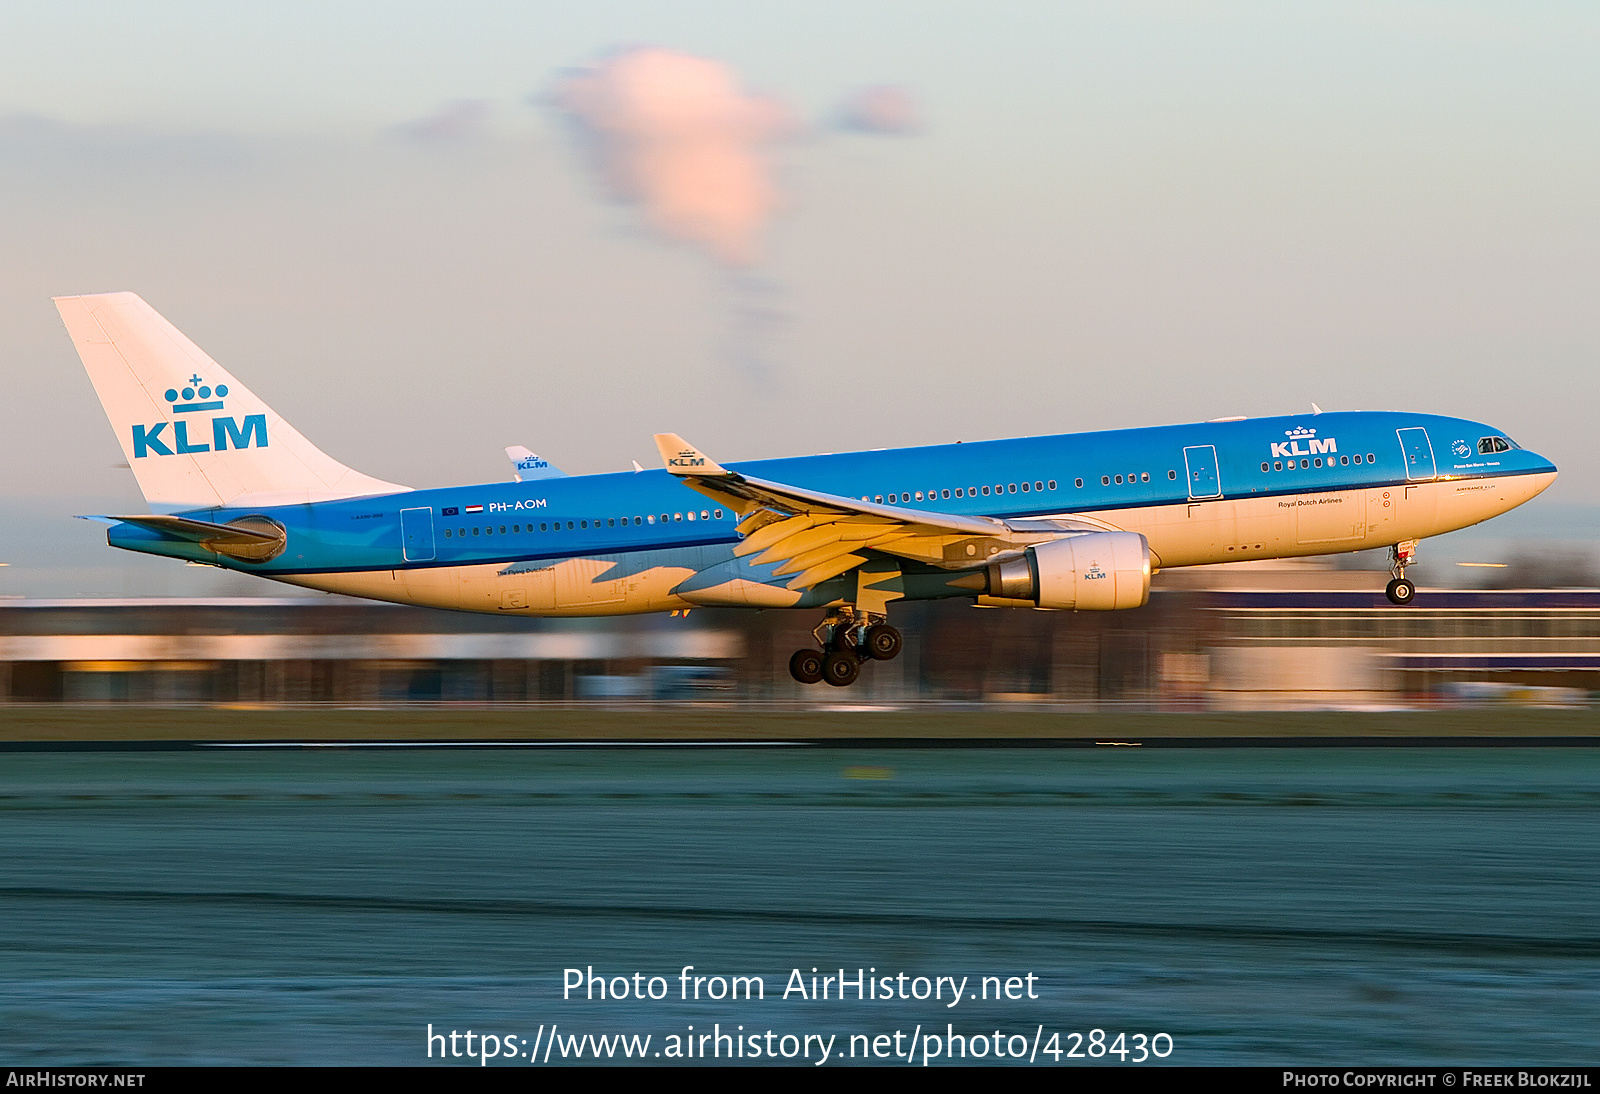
(1224, 638)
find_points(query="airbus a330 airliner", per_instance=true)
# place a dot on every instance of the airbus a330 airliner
(1079, 521)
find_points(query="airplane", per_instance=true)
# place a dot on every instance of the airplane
(1078, 522)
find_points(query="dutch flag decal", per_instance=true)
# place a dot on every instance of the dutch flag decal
(474, 508)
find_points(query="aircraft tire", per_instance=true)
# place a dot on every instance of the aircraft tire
(840, 669)
(1401, 591)
(806, 666)
(842, 641)
(883, 642)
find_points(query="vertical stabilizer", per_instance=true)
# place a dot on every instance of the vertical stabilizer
(194, 436)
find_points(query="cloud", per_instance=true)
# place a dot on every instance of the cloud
(457, 121)
(885, 109)
(677, 136)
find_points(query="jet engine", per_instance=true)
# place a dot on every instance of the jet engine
(1094, 572)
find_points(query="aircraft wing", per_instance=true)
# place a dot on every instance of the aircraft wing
(817, 536)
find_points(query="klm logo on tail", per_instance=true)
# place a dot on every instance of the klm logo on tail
(197, 397)
(687, 458)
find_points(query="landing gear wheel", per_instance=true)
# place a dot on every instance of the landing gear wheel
(806, 666)
(1400, 591)
(840, 669)
(883, 642)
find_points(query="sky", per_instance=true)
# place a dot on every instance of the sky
(399, 225)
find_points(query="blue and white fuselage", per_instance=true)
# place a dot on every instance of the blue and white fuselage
(1062, 521)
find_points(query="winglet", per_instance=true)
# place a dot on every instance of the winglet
(529, 466)
(683, 458)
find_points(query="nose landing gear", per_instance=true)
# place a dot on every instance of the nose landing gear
(1401, 591)
(847, 638)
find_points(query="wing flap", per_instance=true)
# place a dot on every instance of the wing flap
(818, 535)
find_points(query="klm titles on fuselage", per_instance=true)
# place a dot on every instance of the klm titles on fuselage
(148, 439)
(1315, 446)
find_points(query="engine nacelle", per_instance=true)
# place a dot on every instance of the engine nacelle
(1095, 572)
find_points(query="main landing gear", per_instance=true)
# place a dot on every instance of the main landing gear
(1400, 590)
(848, 639)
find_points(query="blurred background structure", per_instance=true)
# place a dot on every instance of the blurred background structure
(1267, 636)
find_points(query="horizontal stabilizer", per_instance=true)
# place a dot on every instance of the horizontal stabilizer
(197, 531)
(251, 539)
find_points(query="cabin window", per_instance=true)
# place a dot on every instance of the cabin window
(1119, 480)
(666, 518)
(651, 518)
(1172, 474)
(1305, 463)
(1344, 460)
(1263, 466)
(1012, 488)
(717, 513)
(1078, 483)
(1105, 480)
(677, 517)
(877, 499)
(1317, 462)
(1144, 476)
(1024, 488)
(502, 529)
(944, 493)
(474, 531)
(1358, 457)
(1277, 465)
(691, 514)
(569, 526)
(544, 527)
(985, 491)
(1371, 458)
(1052, 484)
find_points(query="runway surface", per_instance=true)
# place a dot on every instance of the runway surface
(1308, 905)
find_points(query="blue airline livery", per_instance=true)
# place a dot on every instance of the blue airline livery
(1079, 521)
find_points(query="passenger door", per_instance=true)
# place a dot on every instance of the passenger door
(1200, 461)
(1417, 451)
(416, 534)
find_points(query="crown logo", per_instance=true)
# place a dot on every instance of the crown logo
(197, 396)
(1299, 432)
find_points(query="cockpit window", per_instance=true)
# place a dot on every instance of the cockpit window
(1501, 445)
(1488, 445)
(1485, 445)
